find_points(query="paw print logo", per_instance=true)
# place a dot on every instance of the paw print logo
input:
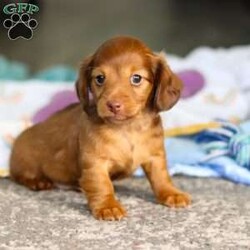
(20, 26)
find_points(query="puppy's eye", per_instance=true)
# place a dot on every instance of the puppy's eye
(136, 79)
(100, 79)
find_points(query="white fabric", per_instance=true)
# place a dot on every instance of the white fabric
(226, 94)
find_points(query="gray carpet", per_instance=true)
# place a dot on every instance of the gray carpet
(218, 219)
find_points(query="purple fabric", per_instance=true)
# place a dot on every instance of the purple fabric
(193, 82)
(59, 101)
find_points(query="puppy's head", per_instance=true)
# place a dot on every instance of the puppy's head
(123, 78)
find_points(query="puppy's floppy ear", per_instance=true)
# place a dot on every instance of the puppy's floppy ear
(167, 85)
(83, 83)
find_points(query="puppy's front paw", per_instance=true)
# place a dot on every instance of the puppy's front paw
(176, 199)
(110, 211)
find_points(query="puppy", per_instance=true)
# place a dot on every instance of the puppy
(114, 129)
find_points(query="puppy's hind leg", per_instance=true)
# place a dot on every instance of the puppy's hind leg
(25, 171)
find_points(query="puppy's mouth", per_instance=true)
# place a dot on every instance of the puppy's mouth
(117, 119)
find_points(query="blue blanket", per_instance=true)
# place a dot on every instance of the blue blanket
(208, 154)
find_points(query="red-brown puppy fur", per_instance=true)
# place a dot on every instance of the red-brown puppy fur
(106, 136)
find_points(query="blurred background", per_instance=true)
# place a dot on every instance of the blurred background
(69, 30)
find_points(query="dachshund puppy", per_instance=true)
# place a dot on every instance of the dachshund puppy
(114, 129)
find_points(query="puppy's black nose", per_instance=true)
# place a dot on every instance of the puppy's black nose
(114, 106)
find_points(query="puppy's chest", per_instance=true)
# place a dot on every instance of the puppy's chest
(129, 154)
(140, 149)
(131, 150)
(130, 146)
